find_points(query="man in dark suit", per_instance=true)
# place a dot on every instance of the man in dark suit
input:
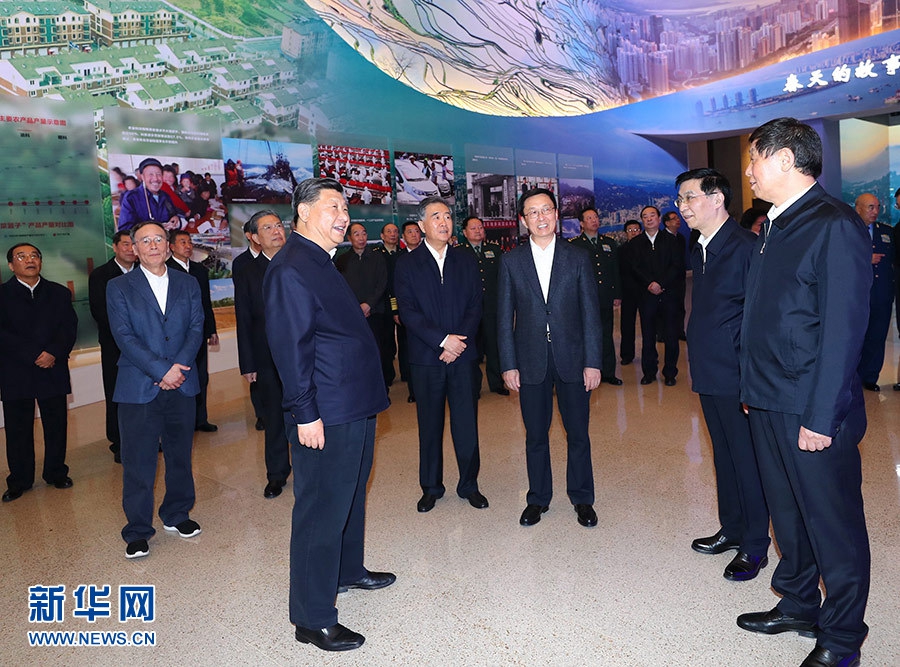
(412, 237)
(182, 248)
(122, 262)
(254, 355)
(156, 318)
(657, 265)
(333, 390)
(631, 295)
(605, 257)
(881, 296)
(720, 260)
(805, 316)
(390, 250)
(38, 326)
(487, 255)
(548, 319)
(440, 296)
(238, 264)
(672, 223)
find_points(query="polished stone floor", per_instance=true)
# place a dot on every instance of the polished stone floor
(473, 587)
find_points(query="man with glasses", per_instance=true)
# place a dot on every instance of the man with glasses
(156, 317)
(547, 329)
(38, 326)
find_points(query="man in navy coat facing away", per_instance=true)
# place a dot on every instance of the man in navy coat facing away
(440, 298)
(549, 329)
(37, 331)
(805, 316)
(720, 260)
(156, 318)
(328, 361)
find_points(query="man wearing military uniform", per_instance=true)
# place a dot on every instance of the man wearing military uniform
(605, 257)
(487, 255)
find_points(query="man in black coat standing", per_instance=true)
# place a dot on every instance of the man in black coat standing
(38, 327)
(720, 260)
(122, 262)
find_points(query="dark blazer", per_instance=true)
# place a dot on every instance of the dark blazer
(151, 341)
(803, 327)
(202, 275)
(661, 262)
(572, 312)
(883, 274)
(489, 269)
(250, 314)
(97, 299)
(605, 258)
(431, 308)
(29, 326)
(717, 309)
(241, 262)
(367, 276)
(323, 348)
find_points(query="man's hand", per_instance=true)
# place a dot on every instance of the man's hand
(617, 303)
(45, 360)
(455, 344)
(877, 257)
(366, 308)
(173, 223)
(448, 357)
(810, 441)
(250, 377)
(511, 379)
(591, 378)
(213, 340)
(312, 435)
(174, 377)
(397, 319)
(655, 288)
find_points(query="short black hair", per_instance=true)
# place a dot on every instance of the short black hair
(119, 234)
(653, 207)
(175, 233)
(425, 203)
(750, 216)
(409, 223)
(12, 251)
(589, 208)
(628, 223)
(803, 141)
(711, 180)
(309, 190)
(533, 192)
(465, 224)
(252, 225)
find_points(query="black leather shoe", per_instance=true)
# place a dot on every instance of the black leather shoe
(773, 622)
(871, 386)
(333, 638)
(626, 362)
(64, 483)
(532, 514)
(503, 391)
(426, 502)
(714, 544)
(613, 380)
(372, 581)
(477, 500)
(822, 657)
(897, 386)
(648, 379)
(206, 427)
(273, 488)
(670, 382)
(587, 517)
(745, 567)
(116, 450)
(260, 425)
(410, 399)
(12, 494)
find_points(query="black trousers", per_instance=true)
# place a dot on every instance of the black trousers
(109, 359)
(743, 514)
(387, 346)
(627, 319)
(817, 513)
(277, 456)
(403, 358)
(536, 401)
(328, 521)
(436, 387)
(608, 359)
(18, 415)
(666, 306)
(202, 361)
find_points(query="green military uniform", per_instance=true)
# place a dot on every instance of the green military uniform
(488, 258)
(605, 256)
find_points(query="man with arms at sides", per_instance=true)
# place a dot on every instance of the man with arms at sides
(412, 237)
(148, 201)
(390, 250)
(805, 317)
(38, 326)
(333, 390)
(605, 258)
(122, 262)
(720, 260)
(156, 318)
(487, 255)
(881, 296)
(440, 296)
(182, 249)
(254, 356)
(238, 264)
(631, 294)
(548, 320)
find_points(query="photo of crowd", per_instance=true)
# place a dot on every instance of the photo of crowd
(364, 172)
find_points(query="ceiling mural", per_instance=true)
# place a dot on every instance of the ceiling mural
(574, 57)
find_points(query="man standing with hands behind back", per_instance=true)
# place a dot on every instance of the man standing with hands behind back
(548, 324)
(805, 316)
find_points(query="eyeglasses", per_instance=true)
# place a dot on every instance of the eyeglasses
(147, 241)
(536, 213)
(269, 228)
(22, 256)
(687, 199)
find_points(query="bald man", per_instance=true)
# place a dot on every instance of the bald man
(881, 295)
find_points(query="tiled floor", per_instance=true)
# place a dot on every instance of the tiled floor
(473, 587)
